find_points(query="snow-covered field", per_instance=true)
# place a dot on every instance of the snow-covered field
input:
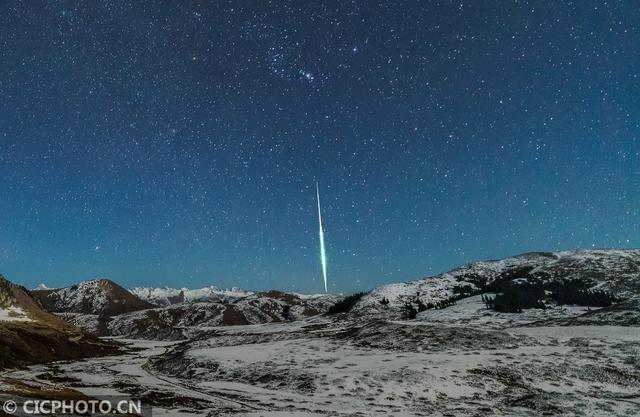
(413, 368)
(471, 311)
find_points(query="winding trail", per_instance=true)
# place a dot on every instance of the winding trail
(126, 373)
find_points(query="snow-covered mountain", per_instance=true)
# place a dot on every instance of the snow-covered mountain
(615, 271)
(31, 335)
(41, 286)
(177, 320)
(168, 296)
(104, 308)
(98, 296)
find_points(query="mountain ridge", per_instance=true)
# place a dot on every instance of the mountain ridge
(611, 271)
(614, 270)
(29, 335)
(165, 296)
(100, 296)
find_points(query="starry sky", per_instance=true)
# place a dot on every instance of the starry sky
(179, 143)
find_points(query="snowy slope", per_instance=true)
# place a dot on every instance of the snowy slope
(617, 271)
(13, 313)
(98, 296)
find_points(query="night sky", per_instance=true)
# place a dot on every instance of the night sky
(179, 143)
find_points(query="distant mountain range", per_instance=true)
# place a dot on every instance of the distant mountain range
(176, 321)
(105, 308)
(169, 296)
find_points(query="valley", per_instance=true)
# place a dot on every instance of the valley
(318, 368)
(436, 346)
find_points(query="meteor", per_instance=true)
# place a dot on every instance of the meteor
(323, 254)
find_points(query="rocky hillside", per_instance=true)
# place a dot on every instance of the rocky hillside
(176, 321)
(615, 272)
(28, 334)
(100, 296)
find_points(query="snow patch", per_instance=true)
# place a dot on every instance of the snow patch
(13, 313)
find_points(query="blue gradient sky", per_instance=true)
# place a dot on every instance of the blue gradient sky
(178, 143)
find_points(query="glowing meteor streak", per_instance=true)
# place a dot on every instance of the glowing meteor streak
(323, 254)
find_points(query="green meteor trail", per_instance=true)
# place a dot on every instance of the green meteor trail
(323, 254)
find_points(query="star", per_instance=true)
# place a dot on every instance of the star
(191, 137)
